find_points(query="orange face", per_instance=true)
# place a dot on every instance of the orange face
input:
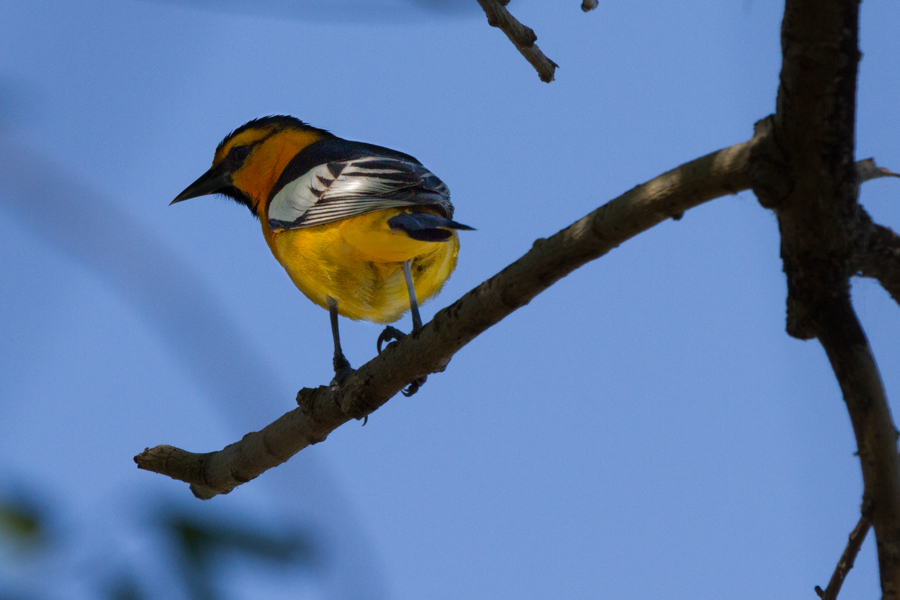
(260, 155)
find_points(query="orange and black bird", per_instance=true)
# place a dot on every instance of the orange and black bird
(364, 231)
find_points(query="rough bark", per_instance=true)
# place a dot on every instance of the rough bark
(805, 172)
(522, 37)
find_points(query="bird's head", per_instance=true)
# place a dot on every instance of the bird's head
(250, 159)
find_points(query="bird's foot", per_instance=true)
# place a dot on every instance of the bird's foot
(389, 334)
(414, 386)
(342, 370)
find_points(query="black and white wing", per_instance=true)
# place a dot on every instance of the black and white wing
(340, 189)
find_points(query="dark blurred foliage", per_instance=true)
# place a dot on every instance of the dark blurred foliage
(126, 588)
(21, 524)
(202, 542)
(198, 546)
(23, 536)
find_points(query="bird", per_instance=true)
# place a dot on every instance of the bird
(363, 231)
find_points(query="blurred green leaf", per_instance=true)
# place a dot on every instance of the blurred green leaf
(200, 539)
(20, 523)
(203, 541)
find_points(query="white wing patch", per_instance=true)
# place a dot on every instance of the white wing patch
(297, 197)
(338, 190)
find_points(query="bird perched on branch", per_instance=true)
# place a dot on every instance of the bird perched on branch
(364, 231)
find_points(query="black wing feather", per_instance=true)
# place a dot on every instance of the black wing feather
(334, 179)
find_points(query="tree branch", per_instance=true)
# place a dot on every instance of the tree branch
(881, 260)
(880, 257)
(842, 336)
(854, 543)
(522, 37)
(428, 350)
(806, 174)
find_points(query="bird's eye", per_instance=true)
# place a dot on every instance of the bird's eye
(239, 154)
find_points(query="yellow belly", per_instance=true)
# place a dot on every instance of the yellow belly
(359, 262)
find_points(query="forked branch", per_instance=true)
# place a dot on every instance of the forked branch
(522, 37)
(806, 174)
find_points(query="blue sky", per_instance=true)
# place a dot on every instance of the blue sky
(643, 428)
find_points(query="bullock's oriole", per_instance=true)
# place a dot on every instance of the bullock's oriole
(362, 230)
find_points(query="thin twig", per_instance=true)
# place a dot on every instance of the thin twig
(866, 170)
(854, 543)
(522, 37)
(428, 350)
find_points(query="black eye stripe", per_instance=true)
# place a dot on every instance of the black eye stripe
(239, 154)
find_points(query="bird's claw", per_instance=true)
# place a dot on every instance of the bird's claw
(413, 387)
(389, 334)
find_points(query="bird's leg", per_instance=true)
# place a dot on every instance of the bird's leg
(413, 387)
(392, 333)
(340, 363)
(413, 303)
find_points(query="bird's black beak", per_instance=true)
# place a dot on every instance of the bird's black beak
(213, 181)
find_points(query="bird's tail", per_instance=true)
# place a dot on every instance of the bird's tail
(425, 227)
